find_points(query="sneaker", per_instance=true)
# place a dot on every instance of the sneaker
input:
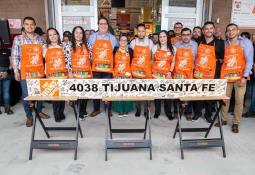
(120, 115)
(82, 117)
(169, 116)
(125, 114)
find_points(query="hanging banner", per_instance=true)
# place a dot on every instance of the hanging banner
(243, 13)
(100, 88)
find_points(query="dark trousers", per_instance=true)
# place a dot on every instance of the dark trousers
(58, 109)
(83, 107)
(188, 109)
(198, 106)
(167, 106)
(100, 75)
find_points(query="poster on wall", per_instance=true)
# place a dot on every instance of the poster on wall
(14, 23)
(187, 22)
(243, 13)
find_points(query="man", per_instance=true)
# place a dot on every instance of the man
(236, 68)
(141, 62)
(197, 32)
(155, 38)
(218, 33)
(101, 45)
(27, 62)
(208, 63)
(177, 31)
(251, 112)
(184, 63)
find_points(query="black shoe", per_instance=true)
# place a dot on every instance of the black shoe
(63, 117)
(208, 119)
(8, 110)
(58, 119)
(169, 116)
(196, 117)
(138, 113)
(156, 115)
(249, 114)
(0, 112)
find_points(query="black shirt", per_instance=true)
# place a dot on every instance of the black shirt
(219, 46)
(4, 57)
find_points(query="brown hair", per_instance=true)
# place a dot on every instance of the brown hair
(48, 42)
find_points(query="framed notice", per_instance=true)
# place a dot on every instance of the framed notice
(243, 13)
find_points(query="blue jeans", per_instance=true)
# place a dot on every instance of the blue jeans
(5, 91)
(28, 112)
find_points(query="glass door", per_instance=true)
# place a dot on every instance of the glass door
(188, 12)
(71, 13)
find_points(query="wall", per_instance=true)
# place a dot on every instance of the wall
(222, 9)
(18, 9)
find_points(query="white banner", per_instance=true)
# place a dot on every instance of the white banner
(243, 13)
(100, 88)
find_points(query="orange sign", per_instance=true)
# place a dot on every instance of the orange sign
(49, 87)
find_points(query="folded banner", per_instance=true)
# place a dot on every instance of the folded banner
(101, 88)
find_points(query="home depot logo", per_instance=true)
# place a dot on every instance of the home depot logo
(49, 87)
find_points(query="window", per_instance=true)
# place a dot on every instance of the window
(183, 3)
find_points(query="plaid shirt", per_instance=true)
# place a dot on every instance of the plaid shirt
(17, 47)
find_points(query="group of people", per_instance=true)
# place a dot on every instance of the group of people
(177, 54)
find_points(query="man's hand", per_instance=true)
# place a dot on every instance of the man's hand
(17, 76)
(242, 82)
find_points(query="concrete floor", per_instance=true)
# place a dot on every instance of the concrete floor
(15, 140)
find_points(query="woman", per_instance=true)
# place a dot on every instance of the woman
(163, 65)
(122, 59)
(5, 77)
(55, 67)
(80, 63)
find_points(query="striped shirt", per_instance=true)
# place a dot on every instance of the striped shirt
(17, 47)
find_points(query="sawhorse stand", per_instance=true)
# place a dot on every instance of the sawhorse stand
(54, 144)
(196, 143)
(111, 143)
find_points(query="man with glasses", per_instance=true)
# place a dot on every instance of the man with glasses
(185, 59)
(101, 45)
(177, 32)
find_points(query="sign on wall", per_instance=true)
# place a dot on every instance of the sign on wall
(243, 13)
(99, 88)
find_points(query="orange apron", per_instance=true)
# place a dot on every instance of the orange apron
(32, 65)
(233, 63)
(122, 64)
(102, 56)
(141, 66)
(205, 62)
(161, 64)
(55, 63)
(80, 63)
(175, 39)
(184, 64)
